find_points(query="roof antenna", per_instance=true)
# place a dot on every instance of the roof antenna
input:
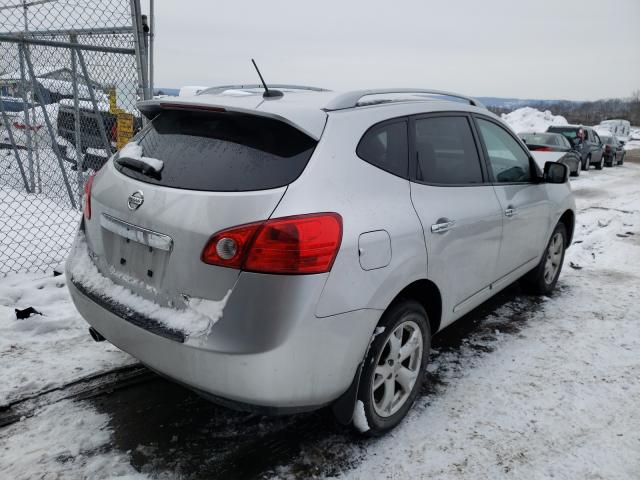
(267, 93)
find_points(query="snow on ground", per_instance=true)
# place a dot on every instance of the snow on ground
(553, 395)
(36, 229)
(634, 139)
(529, 119)
(49, 350)
(559, 397)
(64, 441)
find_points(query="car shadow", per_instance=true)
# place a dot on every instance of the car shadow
(167, 428)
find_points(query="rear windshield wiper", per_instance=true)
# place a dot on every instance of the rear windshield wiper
(131, 156)
(139, 165)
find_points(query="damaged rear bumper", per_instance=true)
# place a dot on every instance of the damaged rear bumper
(268, 351)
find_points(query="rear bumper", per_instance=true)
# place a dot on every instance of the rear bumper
(268, 351)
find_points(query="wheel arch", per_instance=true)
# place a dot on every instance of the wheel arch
(568, 218)
(426, 293)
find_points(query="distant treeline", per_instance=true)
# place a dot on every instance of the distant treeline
(589, 113)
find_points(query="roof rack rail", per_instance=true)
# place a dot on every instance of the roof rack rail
(351, 99)
(222, 88)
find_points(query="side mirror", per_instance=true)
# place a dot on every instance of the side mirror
(555, 172)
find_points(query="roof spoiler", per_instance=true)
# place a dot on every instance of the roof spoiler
(151, 108)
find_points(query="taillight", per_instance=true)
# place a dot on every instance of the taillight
(86, 198)
(301, 244)
(541, 149)
(114, 132)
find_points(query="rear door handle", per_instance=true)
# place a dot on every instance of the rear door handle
(442, 226)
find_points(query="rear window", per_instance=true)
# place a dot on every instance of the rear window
(222, 151)
(571, 133)
(540, 139)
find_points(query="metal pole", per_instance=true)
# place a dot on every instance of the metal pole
(7, 125)
(152, 34)
(141, 54)
(52, 133)
(92, 95)
(76, 112)
(27, 121)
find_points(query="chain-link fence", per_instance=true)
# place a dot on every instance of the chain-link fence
(71, 72)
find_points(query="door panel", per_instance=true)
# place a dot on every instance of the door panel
(461, 258)
(525, 226)
(523, 201)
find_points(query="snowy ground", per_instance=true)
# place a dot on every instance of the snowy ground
(520, 388)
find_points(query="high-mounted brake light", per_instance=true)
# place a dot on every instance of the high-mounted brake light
(86, 197)
(301, 244)
(540, 149)
(187, 106)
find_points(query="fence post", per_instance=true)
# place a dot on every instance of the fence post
(141, 52)
(7, 125)
(52, 134)
(27, 121)
(96, 110)
(76, 113)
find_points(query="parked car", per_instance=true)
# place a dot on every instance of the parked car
(584, 140)
(554, 142)
(619, 128)
(294, 252)
(93, 148)
(613, 150)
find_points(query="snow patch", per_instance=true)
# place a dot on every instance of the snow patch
(529, 119)
(360, 418)
(49, 350)
(134, 151)
(63, 440)
(190, 90)
(196, 319)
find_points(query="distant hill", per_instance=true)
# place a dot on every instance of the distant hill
(513, 103)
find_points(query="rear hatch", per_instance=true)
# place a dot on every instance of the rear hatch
(219, 169)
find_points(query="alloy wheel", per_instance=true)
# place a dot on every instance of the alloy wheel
(554, 257)
(397, 368)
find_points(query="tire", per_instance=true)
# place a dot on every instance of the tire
(621, 160)
(600, 164)
(381, 367)
(611, 163)
(540, 281)
(587, 163)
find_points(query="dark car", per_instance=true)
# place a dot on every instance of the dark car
(90, 136)
(554, 142)
(584, 140)
(613, 150)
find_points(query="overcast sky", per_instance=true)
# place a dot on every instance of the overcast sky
(573, 49)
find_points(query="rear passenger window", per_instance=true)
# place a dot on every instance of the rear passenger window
(385, 146)
(446, 153)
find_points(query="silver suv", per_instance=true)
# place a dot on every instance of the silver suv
(285, 253)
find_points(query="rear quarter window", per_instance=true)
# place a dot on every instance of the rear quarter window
(222, 151)
(385, 146)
